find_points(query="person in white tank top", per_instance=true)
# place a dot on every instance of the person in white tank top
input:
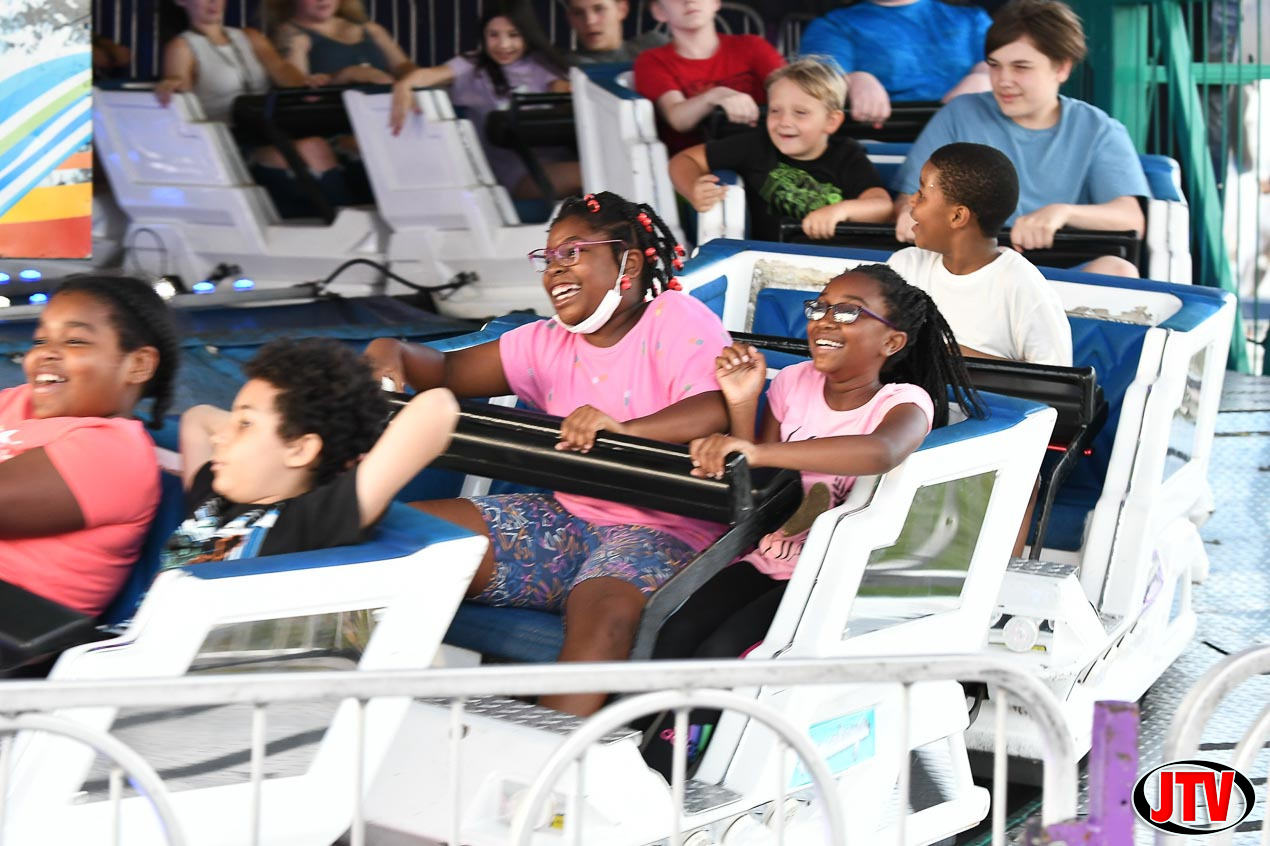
(217, 63)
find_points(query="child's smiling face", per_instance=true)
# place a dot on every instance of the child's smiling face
(577, 289)
(798, 123)
(931, 212)
(503, 41)
(76, 365)
(857, 349)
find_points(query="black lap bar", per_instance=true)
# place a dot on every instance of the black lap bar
(295, 112)
(1071, 246)
(284, 114)
(32, 627)
(904, 124)
(533, 120)
(520, 446)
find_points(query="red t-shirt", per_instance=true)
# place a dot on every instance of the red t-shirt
(742, 63)
(109, 466)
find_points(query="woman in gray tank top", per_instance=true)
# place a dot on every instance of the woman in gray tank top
(335, 41)
(217, 63)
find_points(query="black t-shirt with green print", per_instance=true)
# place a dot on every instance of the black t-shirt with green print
(778, 187)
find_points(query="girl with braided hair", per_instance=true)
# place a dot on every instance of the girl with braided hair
(882, 362)
(79, 482)
(625, 352)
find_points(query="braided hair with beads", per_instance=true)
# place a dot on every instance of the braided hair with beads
(142, 319)
(636, 226)
(931, 359)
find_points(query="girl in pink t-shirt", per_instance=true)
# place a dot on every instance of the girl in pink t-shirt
(882, 361)
(78, 478)
(623, 354)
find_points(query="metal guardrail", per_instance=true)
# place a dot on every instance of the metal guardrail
(1185, 732)
(689, 682)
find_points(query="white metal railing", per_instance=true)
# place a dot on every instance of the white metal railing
(1185, 732)
(690, 683)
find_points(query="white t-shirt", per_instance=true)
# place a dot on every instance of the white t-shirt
(1005, 308)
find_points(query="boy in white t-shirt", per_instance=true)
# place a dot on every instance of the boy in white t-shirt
(997, 302)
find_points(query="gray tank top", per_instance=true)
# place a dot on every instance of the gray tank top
(225, 71)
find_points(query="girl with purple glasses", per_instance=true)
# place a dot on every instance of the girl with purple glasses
(625, 353)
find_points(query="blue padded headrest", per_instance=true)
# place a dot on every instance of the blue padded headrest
(605, 75)
(1163, 175)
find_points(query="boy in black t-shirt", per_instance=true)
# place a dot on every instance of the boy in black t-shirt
(796, 169)
(283, 471)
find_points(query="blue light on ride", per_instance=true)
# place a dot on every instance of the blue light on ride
(204, 287)
(244, 284)
(38, 299)
(31, 275)
(4, 278)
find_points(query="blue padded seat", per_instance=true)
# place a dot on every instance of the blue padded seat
(167, 517)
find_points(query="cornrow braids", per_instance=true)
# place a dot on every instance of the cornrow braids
(142, 319)
(931, 359)
(637, 226)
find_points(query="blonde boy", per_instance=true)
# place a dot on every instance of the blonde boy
(796, 168)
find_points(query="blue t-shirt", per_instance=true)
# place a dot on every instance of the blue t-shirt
(1086, 158)
(918, 52)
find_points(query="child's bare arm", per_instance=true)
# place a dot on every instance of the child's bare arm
(873, 206)
(684, 113)
(975, 81)
(691, 176)
(419, 433)
(179, 67)
(198, 424)
(469, 372)
(870, 103)
(904, 219)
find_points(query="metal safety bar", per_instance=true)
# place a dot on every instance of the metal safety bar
(1187, 728)
(691, 683)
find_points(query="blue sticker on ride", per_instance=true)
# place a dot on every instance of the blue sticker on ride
(843, 741)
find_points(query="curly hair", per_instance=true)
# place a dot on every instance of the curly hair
(142, 319)
(931, 359)
(636, 226)
(982, 179)
(326, 389)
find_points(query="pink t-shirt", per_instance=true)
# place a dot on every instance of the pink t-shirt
(797, 399)
(109, 466)
(666, 357)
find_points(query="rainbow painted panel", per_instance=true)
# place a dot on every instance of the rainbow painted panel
(45, 157)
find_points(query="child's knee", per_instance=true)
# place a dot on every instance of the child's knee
(604, 611)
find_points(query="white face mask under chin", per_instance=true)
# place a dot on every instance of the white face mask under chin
(606, 308)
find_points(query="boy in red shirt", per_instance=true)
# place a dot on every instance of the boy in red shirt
(700, 69)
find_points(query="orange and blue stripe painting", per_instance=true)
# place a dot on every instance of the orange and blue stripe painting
(46, 156)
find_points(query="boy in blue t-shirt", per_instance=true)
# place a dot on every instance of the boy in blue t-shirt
(902, 51)
(1077, 165)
